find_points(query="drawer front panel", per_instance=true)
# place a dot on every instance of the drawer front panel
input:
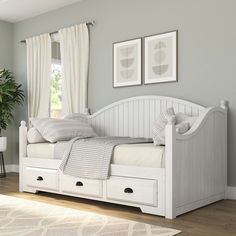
(42, 178)
(132, 190)
(81, 186)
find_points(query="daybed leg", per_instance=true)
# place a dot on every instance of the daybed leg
(28, 190)
(151, 210)
(170, 216)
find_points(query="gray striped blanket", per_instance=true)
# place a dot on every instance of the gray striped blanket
(91, 157)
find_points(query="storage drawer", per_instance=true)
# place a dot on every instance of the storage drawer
(132, 190)
(80, 186)
(41, 178)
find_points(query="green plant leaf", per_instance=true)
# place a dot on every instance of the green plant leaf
(11, 95)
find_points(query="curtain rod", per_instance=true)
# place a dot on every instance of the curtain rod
(91, 23)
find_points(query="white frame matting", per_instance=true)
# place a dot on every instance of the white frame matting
(195, 172)
(132, 60)
(163, 56)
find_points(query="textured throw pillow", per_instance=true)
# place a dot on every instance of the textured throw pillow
(77, 116)
(34, 136)
(181, 117)
(159, 126)
(182, 127)
(54, 130)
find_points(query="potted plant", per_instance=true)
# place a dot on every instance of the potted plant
(11, 94)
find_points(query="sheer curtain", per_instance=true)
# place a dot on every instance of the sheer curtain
(38, 75)
(74, 43)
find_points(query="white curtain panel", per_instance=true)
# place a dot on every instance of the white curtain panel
(38, 75)
(74, 43)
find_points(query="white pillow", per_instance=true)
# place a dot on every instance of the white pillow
(182, 127)
(160, 125)
(77, 116)
(54, 130)
(34, 136)
(181, 117)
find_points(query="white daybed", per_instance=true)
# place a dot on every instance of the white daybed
(195, 170)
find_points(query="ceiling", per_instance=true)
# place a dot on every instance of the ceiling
(18, 10)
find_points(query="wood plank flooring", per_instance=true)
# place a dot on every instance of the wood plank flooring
(218, 219)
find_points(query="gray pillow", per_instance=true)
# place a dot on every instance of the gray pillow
(77, 116)
(182, 127)
(54, 130)
(34, 136)
(181, 117)
(158, 132)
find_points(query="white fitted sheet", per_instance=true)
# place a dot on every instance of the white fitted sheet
(144, 154)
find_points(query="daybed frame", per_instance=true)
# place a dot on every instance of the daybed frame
(195, 172)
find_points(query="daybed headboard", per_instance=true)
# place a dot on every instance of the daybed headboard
(134, 116)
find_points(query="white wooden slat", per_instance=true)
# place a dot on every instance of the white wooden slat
(169, 104)
(99, 125)
(163, 105)
(106, 123)
(111, 122)
(182, 108)
(157, 109)
(102, 124)
(116, 121)
(176, 107)
(121, 120)
(152, 115)
(141, 118)
(126, 119)
(136, 118)
(146, 118)
(131, 119)
(188, 110)
(195, 111)
(95, 125)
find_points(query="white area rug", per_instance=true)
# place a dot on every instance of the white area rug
(20, 217)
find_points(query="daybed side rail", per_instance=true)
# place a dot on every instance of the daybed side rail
(196, 162)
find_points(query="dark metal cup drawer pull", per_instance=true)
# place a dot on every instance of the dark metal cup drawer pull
(128, 190)
(40, 178)
(79, 183)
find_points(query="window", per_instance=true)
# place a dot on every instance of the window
(56, 83)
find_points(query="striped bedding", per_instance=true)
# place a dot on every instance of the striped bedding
(91, 157)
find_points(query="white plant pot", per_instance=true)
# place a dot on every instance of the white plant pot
(3, 144)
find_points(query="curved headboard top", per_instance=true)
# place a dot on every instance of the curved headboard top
(135, 116)
(170, 100)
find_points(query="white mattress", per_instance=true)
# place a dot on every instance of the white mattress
(144, 154)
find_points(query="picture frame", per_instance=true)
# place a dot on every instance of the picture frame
(160, 58)
(127, 63)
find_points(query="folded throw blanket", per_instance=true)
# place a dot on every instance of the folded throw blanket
(91, 157)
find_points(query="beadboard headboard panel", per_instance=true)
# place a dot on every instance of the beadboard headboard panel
(134, 116)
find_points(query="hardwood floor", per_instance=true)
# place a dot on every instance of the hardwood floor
(218, 219)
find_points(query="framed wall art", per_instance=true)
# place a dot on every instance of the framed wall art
(127, 63)
(161, 58)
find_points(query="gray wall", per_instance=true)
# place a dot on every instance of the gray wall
(6, 61)
(207, 49)
(6, 40)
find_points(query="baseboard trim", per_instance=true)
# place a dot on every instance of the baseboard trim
(230, 190)
(12, 168)
(231, 193)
